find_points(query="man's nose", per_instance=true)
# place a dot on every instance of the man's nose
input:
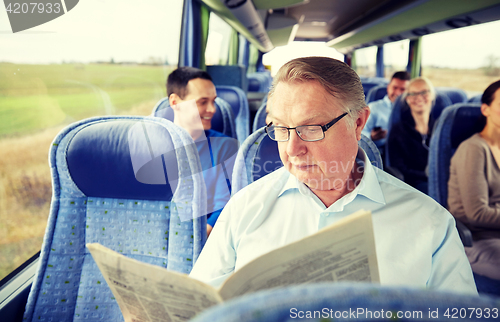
(295, 145)
(211, 108)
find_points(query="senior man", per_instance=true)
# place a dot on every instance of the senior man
(317, 110)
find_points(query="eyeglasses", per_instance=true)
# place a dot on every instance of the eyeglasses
(414, 95)
(308, 133)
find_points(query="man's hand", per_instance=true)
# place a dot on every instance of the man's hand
(209, 230)
(378, 133)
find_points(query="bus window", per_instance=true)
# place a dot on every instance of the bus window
(219, 33)
(365, 60)
(395, 57)
(467, 58)
(282, 54)
(100, 58)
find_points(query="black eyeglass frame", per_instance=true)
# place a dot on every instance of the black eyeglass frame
(323, 127)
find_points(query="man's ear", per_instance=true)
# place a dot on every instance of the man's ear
(361, 121)
(174, 99)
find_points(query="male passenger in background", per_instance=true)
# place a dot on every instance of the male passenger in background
(191, 95)
(318, 110)
(377, 123)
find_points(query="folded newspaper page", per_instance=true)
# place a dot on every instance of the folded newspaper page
(344, 251)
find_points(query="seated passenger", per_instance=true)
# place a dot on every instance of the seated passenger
(191, 95)
(376, 125)
(474, 188)
(409, 140)
(324, 179)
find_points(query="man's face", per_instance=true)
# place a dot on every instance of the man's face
(395, 88)
(324, 164)
(204, 94)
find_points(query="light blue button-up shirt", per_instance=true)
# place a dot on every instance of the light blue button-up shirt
(380, 111)
(416, 240)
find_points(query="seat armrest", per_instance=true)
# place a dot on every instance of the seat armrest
(464, 233)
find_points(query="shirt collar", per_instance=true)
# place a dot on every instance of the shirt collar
(387, 100)
(293, 183)
(369, 185)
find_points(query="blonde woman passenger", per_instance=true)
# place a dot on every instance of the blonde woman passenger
(409, 139)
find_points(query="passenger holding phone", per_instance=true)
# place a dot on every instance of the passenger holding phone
(376, 125)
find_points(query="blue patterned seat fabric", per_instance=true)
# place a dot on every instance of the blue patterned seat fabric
(259, 156)
(352, 302)
(222, 121)
(132, 184)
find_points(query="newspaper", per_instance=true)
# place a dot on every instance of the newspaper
(344, 251)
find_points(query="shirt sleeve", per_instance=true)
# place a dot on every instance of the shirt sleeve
(212, 218)
(470, 171)
(450, 267)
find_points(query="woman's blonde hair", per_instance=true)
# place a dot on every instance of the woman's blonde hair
(427, 82)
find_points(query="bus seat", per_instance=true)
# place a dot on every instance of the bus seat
(365, 300)
(229, 75)
(442, 101)
(259, 82)
(376, 93)
(110, 186)
(237, 99)
(457, 123)
(222, 121)
(475, 99)
(371, 150)
(259, 156)
(456, 95)
(260, 117)
(370, 82)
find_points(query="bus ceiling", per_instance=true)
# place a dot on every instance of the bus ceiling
(270, 23)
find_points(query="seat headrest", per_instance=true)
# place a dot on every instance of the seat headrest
(267, 158)
(232, 95)
(467, 121)
(123, 159)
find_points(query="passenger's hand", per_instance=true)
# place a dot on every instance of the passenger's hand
(209, 230)
(378, 133)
